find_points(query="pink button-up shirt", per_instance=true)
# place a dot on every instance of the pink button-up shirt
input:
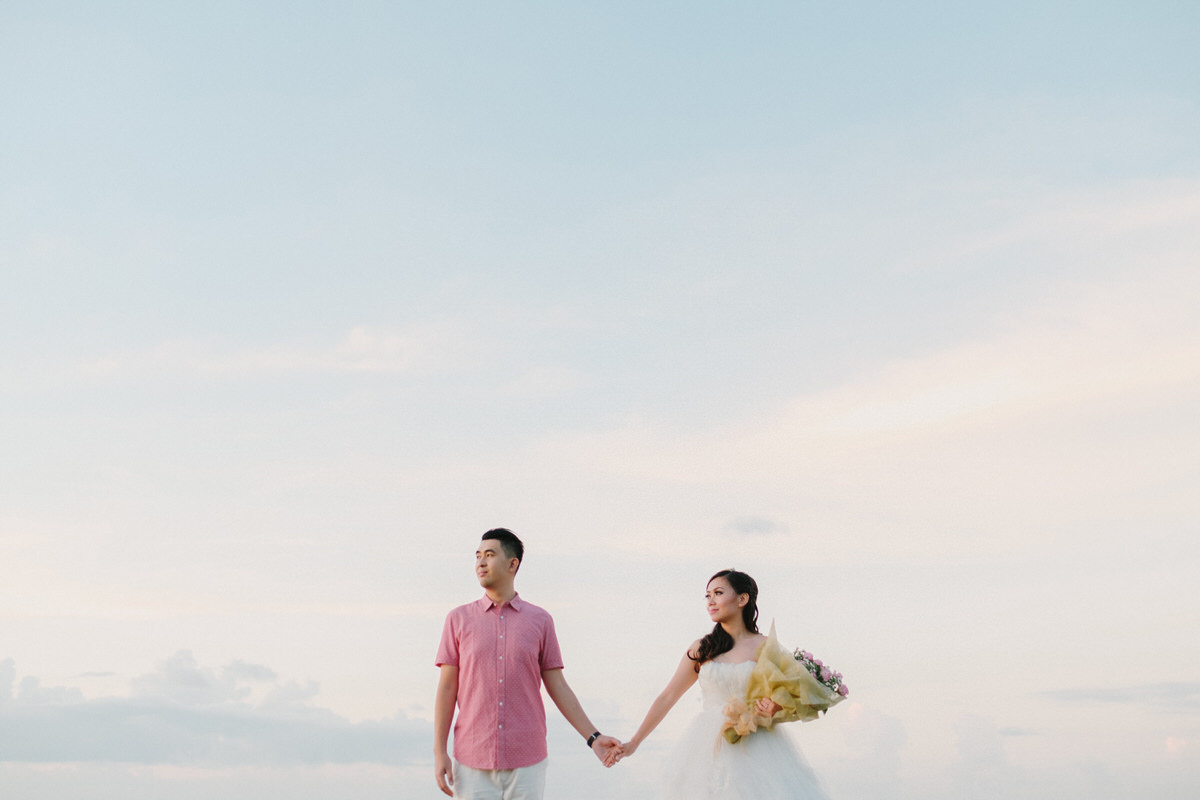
(501, 653)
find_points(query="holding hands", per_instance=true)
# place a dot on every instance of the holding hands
(608, 749)
(766, 707)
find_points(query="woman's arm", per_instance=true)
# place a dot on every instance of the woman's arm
(685, 675)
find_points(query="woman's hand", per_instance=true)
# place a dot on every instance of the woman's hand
(766, 707)
(627, 749)
(607, 749)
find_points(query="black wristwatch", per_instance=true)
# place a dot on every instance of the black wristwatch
(592, 739)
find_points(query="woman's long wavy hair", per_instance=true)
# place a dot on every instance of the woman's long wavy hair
(718, 642)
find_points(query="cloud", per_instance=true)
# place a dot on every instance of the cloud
(22, 781)
(1159, 211)
(363, 349)
(1083, 350)
(871, 765)
(180, 678)
(1014, 731)
(184, 713)
(982, 768)
(1072, 401)
(978, 742)
(1182, 696)
(8, 673)
(755, 526)
(252, 672)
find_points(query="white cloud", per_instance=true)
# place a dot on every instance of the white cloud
(24, 781)
(756, 526)
(1160, 214)
(982, 769)
(1040, 404)
(1085, 351)
(869, 765)
(1175, 696)
(187, 714)
(432, 347)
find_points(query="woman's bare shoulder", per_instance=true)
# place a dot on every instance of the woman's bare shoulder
(693, 650)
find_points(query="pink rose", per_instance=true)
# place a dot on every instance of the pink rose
(818, 662)
(826, 674)
(843, 690)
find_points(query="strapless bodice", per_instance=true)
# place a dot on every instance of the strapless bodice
(720, 681)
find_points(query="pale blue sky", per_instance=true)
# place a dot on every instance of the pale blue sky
(892, 307)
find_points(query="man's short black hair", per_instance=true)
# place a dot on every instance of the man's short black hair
(513, 548)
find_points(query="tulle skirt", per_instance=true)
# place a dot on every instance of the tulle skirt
(766, 765)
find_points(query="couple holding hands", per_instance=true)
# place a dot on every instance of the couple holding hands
(496, 653)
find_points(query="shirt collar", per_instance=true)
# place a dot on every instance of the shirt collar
(516, 603)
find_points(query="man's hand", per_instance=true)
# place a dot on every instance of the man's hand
(607, 749)
(443, 714)
(443, 771)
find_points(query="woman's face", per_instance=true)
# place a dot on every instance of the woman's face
(723, 603)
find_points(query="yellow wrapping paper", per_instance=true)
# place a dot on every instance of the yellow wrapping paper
(777, 675)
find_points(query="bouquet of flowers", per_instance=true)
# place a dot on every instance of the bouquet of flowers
(799, 684)
(822, 673)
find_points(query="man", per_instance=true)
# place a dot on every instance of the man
(494, 655)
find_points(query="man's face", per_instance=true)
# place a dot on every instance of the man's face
(492, 566)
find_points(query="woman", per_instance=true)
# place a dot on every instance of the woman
(763, 764)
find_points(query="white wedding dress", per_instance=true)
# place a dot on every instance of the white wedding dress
(765, 765)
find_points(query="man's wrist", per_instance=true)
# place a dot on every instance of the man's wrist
(592, 739)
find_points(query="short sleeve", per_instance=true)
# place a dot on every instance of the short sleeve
(551, 655)
(447, 652)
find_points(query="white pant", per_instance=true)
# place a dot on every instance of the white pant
(523, 783)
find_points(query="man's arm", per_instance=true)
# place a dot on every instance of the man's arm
(443, 713)
(606, 748)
